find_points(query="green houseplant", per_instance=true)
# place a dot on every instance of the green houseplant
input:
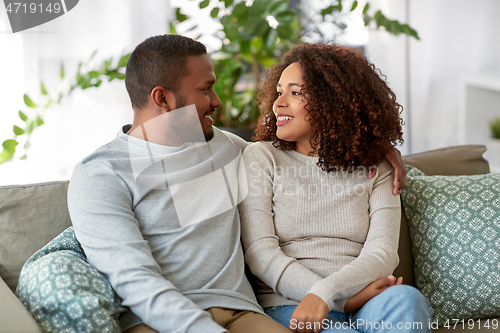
(495, 128)
(250, 43)
(494, 143)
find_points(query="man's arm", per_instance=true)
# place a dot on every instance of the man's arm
(100, 207)
(394, 157)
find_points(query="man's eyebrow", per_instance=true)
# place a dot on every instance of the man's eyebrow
(290, 84)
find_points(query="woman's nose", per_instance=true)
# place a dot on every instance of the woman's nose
(280, 102)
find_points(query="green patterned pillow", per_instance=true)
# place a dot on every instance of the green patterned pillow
(455, 232)
(64, 293)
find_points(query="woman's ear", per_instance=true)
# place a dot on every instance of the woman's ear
(163, 98)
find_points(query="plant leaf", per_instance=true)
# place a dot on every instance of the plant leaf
(10, 144)
(42, 87)
(365, 9)
(22, 116)
(172, 29)
(354, 5)
(214, 12)
(9, 149)
(61, 73)
(204, 4)
(39, 121)
(228, 3)
(327, 11)
(18, 130)
(29, 102)
(123, 60)
(93, 54)
(179, 16)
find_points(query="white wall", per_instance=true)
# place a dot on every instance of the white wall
(459, 38)
(87, 119)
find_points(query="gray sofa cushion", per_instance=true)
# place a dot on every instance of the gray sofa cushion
(14, 318)
(30, 217)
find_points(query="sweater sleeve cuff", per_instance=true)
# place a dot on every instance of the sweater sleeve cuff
(326, 293)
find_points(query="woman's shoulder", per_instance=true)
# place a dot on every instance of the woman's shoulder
(260, 147)
(384, 169)
(263, 153)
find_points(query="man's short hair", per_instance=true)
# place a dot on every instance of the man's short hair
(158, 61)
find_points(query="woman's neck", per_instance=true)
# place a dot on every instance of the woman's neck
(305, 149)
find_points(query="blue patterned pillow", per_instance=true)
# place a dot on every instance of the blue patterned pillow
(455, 233)
(64, 293)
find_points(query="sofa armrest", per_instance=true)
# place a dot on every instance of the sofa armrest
(14, 318)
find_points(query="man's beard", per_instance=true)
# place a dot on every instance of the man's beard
(181, 102)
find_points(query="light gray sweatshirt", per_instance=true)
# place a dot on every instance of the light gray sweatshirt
(161, 223)
(308, 231)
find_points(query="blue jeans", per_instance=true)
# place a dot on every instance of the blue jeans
(400, 308)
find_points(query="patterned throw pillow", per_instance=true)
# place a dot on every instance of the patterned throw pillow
(455, 232)
(64, 293)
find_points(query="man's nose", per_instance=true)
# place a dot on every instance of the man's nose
(215, 100)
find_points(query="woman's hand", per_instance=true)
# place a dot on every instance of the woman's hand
(309, 315)
(356, 302)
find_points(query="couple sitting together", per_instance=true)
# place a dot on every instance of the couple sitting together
(173, 208)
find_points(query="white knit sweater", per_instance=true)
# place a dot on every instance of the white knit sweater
(308, 231)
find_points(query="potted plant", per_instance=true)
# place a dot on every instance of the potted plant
(255, 35)
(494, 143)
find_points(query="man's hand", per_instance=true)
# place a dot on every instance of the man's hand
(394, 157)
(309, 314)
(356, 302)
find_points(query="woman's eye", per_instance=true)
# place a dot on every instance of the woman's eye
(280, 93)
(296, 93)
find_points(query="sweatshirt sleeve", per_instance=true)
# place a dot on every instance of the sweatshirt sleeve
(100, 206)
(284, 274)
(379, 255)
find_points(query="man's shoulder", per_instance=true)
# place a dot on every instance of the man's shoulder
(111, 150)
(235, 139)
(102, 160)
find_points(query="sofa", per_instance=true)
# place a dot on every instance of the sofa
(32, 215)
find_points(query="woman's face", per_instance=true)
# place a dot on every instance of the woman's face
(289, 108)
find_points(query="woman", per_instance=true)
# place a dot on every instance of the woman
(317, 231)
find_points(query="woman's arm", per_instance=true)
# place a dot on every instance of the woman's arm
(356, 302)
(263, 253)
(314, 310)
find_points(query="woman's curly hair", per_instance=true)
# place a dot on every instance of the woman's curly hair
(354, 115)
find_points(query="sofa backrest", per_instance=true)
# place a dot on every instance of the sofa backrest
(451, 161)
(30, 217)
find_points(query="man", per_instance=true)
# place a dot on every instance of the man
(155, 210)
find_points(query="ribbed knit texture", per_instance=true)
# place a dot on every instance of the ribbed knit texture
(308, 231)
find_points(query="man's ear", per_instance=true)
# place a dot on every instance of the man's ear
(163, 98)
